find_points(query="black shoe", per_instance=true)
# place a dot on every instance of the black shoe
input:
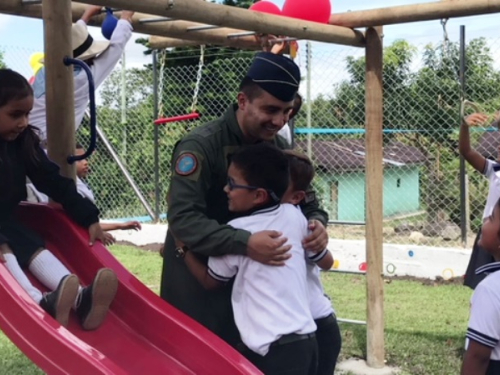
(96, 298)
(59, 302)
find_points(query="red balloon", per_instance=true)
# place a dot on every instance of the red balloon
(363, 267)
(308, 10)
(266, 7)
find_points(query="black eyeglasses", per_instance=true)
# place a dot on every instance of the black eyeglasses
(232, 186)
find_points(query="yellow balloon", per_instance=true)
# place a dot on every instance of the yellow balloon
(336, 264)
(36, 62)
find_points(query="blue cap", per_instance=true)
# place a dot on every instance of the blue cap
(276, 74)
(109, 24)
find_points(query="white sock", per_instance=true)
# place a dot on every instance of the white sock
(16, 271)
(48, 269)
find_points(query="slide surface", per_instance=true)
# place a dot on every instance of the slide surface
(141, 335)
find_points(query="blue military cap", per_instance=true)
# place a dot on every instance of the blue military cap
(276, 74)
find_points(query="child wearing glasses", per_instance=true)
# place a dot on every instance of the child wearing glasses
(271, 304)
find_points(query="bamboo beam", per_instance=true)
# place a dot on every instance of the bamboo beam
(173, 29)
(60, 86)
(247, 42)
(160, 42)
(223, 15)
(415, 12)
(374, 199)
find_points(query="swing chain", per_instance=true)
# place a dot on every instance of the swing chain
(198, 78)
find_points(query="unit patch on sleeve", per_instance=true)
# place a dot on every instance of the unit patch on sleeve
(186, 164)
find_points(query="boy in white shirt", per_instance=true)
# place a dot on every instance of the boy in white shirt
(271, 304)
(327, 333)
(82, 171)
(491, 170)
(101, 56)
(482, 356)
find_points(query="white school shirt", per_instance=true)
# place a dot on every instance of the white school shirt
(81, 187)
(492, 173)
(268, 301)
(286, 133)
(484, 321)
(319, 303)
(101, 68)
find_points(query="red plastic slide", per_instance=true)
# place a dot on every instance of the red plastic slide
(141, 335)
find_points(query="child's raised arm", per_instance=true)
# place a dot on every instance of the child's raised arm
(474, 158)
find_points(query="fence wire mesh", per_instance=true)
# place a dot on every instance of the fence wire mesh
(422, 199)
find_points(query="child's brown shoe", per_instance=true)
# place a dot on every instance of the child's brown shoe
(59, 302)
(95, 299)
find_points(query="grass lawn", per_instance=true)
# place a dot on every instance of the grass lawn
(425, 324)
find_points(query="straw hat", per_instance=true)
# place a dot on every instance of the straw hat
(84, 46)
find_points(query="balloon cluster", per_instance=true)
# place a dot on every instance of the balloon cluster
(308, 10)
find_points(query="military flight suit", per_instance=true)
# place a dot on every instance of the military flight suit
(197, 215)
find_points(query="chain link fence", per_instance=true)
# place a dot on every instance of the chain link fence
(422, 197)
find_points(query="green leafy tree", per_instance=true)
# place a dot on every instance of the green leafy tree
(2, 60)
(424, 102)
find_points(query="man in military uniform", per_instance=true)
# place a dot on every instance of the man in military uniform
(198, 207)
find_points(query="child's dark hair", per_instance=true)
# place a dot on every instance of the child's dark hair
(264, 166)
(297, 104)
(301, 170)
(13, 86)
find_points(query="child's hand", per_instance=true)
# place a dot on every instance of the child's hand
(96, 233)
(277, 48)
(127, 15)
(318, 239)
(476, 119)
(91, 11)
(131, 225)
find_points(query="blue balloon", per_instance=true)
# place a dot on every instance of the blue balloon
(109, 24)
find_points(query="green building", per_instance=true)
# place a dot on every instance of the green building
(340, 178)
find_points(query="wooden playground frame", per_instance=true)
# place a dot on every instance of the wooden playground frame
(193, 22)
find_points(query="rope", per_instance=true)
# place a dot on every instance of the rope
(198, 78)
(163, 59)
(446, 39)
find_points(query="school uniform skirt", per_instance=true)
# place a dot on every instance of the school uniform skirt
(478, 258)
(23, 242)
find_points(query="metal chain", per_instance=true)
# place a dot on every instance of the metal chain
(198, 78)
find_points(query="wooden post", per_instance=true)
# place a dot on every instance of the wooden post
(415, 13)
(59, 84)
(374, 199)
(226, 16)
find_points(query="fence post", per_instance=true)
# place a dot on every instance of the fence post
(464, 183)
(156, 138)
(374, 198)
(309, 98)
